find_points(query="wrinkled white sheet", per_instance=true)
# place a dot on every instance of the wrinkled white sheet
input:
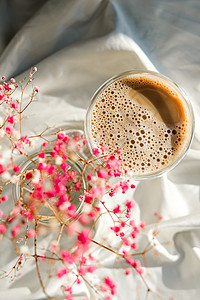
(77, 45)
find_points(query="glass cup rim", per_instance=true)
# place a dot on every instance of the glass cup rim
(174, 85)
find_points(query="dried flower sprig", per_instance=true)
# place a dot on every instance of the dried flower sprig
(62, 193)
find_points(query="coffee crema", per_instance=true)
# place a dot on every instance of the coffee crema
(145, 117)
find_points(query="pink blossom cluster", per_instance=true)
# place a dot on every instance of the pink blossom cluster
(51, 183)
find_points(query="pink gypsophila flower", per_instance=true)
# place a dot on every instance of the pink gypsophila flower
(109, 282)
(77, 186)
(82, 271)
(16, 169)
(91, 269)
(128, 272)
(25, 139)
(129, 205)
(60, 273)
(113, 163)
(42, 155)
(102, 174)
(65, 167)
(117, 173)
(2, 228)
(97, 192)
(15, 231)
(7, 86)
(45, 144)
(61, 135)
(95, 151)
(116, 209)
(12, 80)
(130, 261)
(126, 242)
(89, 177)
(29, 176)
(10, 130)
(134, 246)
(4, 198)
(2, 169)
(84, 237)
(92, 214)
(124, 186)
(71, 210)
(88, 198)
(19, 147)
(31, 233)
(142, 224)
(68, 258)
(2, 95)
(116, 229)
(15, 105)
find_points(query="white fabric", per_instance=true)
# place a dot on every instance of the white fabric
(77, 45)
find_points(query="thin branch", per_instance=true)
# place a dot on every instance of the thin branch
(37, 265)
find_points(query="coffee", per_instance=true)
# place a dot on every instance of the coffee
(144, 116)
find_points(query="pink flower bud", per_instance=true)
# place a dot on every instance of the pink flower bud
(128, 272)
(12, 80)
(36, 88)
(45, 144)
(16, 169)
(42, 258)
(10, 130)
(15, 105)
(2, 228)
(102, 174)
(29, 176)
(89, 177)
(142, 224)
(91, 269)
(2, 95)
(41, 155)
(31, 233)
(15, 231)
(11, 119)
(61, 135)
(134, 246)
(4, 198)
(84, 237)
(7, 86)
(95, 151)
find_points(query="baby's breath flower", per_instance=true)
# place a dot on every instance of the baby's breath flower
(24, 250)
(6, 176)
(36, 176)
(58, 160)
(14, 179)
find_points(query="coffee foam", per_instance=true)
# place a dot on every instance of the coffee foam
(129, 116)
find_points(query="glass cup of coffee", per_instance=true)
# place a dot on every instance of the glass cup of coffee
(145, 115)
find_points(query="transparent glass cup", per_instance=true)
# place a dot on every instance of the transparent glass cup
(44, 213)
(142, 74)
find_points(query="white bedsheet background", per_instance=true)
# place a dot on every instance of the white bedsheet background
(77, 45)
